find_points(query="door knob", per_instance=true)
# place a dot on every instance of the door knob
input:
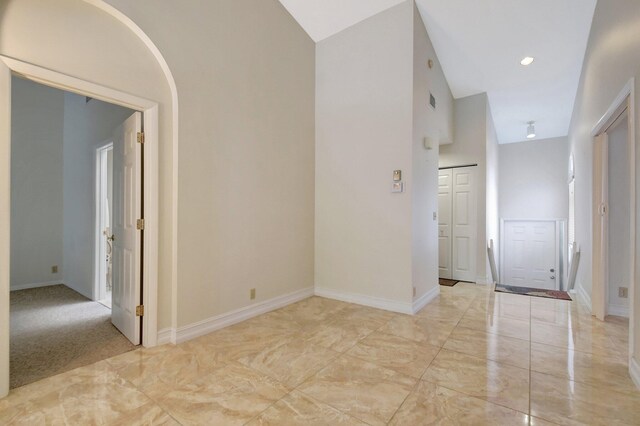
(553, 277)
(552, 270)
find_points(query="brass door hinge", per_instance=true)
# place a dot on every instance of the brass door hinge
(140, 137)
(140, 310)
(140, 224)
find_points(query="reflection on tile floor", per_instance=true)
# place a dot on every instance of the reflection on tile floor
(470, 357)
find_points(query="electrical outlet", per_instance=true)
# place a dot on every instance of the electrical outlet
(54, 269)
(252, 294)
(623, 292)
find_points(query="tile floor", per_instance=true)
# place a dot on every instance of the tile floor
(470, 357)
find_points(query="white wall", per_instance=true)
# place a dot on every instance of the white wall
(36, 184)
(619, 216)
(437, 126)
(470, 147)
(87, 126)
(612, 58)
(492, 193)
(534, 179)
(364, 113)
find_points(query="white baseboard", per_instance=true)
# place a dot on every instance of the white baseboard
(34, 285)
(423, 300)
(164, 336)
(200, 328)
(634, 371)
(584, 297)
(618, 310)
(361, 299)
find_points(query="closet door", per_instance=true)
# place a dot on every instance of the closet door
(464, 224)
(445, 250)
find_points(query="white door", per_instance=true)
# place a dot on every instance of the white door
(530, 253)
(444, 224)
(464, 224)
(600, 225)
(127, 209)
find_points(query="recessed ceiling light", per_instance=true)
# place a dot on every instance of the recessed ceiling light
(527, 61)
(531, 130)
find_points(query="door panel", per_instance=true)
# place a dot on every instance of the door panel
(464, 226)
(530, 254)
(444, 224)
(127, 208)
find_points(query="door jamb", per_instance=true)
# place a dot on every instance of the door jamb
(99, 195)
(626, 96)
(151, 167)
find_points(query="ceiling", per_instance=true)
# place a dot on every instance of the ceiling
(324, 18)
(480, 45)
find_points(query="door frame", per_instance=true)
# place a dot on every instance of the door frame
(626, 98)
(99, 256)
(561, 228)
(151, 189)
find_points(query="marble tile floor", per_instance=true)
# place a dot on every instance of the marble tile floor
(469, 357)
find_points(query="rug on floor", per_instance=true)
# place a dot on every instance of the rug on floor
(55, 329)
(536, 292)
(447, 282)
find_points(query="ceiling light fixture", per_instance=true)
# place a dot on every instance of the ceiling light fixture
(531, 130)
(527, 61)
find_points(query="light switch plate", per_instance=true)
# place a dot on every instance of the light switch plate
(397, 187)
(397, 175)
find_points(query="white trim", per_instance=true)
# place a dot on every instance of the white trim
(424, 300)
(209, 325)
(99, 256)
(618, 310)
(361, 299)
(35, 285)
(627, 95)
(483, 281)
(583, 297)
(164, 336)
(151, 167)
(634, 371)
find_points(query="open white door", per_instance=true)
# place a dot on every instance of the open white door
(5, 203)
(600, 225)
(127, 209)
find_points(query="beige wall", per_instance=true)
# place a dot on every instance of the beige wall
(437, 126)
(612, 58)
(364, 131)
(37, 132)
(246, 172)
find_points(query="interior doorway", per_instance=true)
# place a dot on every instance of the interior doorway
(104, 232)
(60, 317)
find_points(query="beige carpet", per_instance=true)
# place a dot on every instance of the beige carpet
(55, 329)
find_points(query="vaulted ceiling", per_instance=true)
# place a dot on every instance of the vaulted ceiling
(480, 45)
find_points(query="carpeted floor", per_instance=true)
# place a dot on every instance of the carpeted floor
(55, 329)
